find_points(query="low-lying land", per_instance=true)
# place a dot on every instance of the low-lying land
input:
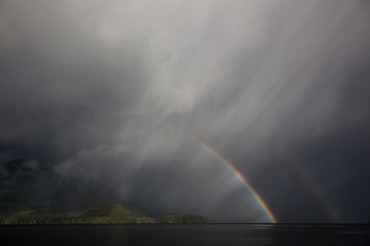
(107, 214)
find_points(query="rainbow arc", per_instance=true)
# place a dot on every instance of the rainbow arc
(246, 184)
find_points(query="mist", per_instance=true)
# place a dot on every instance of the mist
(120, 94)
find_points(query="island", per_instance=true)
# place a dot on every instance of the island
(107, 214)
(34, 195)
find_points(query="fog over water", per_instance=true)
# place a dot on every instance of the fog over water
(120, 94)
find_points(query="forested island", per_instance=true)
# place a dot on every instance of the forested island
(107, 214)
(32, 195)
(184, 219)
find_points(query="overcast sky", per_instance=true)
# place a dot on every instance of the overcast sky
(121, 93)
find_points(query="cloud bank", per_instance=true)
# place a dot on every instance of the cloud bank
(120, 93)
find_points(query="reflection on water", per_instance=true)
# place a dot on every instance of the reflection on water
(213, 234)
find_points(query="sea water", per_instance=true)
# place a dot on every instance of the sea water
(205, 234)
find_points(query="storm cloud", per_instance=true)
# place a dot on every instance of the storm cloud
(121, 93)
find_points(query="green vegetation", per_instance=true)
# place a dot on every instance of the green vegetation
(184, 219)
(109, 214)
(32, 195)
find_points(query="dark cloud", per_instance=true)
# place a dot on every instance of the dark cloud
(119, 94)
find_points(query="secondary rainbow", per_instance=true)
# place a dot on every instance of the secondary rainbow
(314, 189)
(246, 184)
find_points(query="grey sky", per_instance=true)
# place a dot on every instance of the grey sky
(118, 92)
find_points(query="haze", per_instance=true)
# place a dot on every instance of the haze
(122, 94)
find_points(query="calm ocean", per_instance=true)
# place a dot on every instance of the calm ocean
(211, 234)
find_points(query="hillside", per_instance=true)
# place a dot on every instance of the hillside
(30, 194)
(184, 219)
(108, 214)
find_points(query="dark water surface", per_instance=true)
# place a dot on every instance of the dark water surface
(211, 234)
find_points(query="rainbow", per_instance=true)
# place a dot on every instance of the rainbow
(317, 193)
(246, 184)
